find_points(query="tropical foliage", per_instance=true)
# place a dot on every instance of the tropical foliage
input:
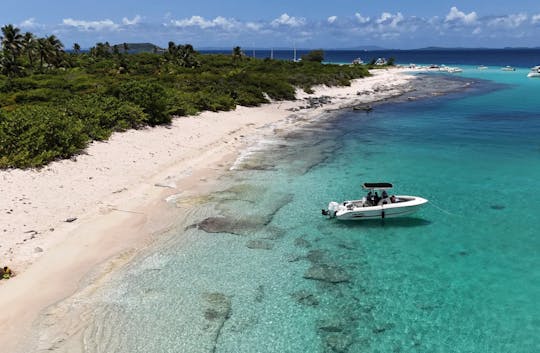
(314, 55)
(53, 102)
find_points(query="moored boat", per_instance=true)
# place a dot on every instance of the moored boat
(535, 72)
(508, 68)
(372, 206)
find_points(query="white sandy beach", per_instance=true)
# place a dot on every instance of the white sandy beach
(117, 190)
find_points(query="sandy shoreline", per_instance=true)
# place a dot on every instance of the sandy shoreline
(116, 192)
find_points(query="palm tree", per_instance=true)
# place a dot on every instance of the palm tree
(76, 48)
(126, 47)
(56, 49)
(11, 40)
(237, 53)
(29, 45)
(44, 51)
(9, 66)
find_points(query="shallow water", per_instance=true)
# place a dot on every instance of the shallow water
(257, 269)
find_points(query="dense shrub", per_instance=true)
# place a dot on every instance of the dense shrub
(53, 114)
(150, 96)
(35, 135)
(102, 115)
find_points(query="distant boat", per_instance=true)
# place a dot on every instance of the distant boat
(381, 61)
(508, 68)
(482, 67)
(295, 59)
(535, 72)
(358, 61)
(450, 69)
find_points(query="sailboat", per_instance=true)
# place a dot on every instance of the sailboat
(294, 55)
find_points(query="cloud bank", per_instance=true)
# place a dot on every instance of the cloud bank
(457, 27)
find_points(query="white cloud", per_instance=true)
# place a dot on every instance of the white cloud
(510, 21)
(91, 25)
(253, 26)
(287, 20)
(29, 23)
(459, 16)
(201, 22)
(126, 21)
(332, 19)
(389, 19)
(361, 19)
(535, 18)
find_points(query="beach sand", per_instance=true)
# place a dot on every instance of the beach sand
(114, 194)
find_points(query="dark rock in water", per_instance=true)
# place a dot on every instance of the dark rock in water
(294, 258)
(463, 253)
(302, 243)
(331, 329)
(217, 310)
(274, 233)
(229, 225)
(259, 294)
(259, 244)
(337, 342)
(383, 328)
(215, 224)
(305, 298)
(326, 273)
(218, 306)
(316, 256)
(334, 324)
(497, 207)
(346, 246)
(211, 314)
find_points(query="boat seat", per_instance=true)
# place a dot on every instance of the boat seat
(384, 201)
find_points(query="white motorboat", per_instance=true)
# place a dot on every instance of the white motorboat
(374, 207)
(482, 67)
(508, 68)
(535, 72)
(450, 69)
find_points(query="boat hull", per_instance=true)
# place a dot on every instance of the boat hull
(392, 210)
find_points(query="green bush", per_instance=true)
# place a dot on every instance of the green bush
(35, 135)
(150, 96)
(101, 115)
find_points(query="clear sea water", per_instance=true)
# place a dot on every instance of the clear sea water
(523, 58)
(270, 274)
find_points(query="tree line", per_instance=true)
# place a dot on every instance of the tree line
(54, 102)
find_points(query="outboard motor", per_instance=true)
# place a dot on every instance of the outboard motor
(333, 207)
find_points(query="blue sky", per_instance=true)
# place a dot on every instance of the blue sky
(279, 23)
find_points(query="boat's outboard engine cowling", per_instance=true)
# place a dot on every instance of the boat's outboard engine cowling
(333, 207)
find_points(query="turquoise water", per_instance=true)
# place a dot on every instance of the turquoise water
(272, 275)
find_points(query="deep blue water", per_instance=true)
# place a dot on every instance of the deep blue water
(524, 58)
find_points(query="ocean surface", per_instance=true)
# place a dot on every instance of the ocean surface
(254, 267)
(523, 58)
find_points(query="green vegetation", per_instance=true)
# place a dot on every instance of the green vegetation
(53, 103)
(314, 55)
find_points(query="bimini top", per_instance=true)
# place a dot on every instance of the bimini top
(377, 186)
